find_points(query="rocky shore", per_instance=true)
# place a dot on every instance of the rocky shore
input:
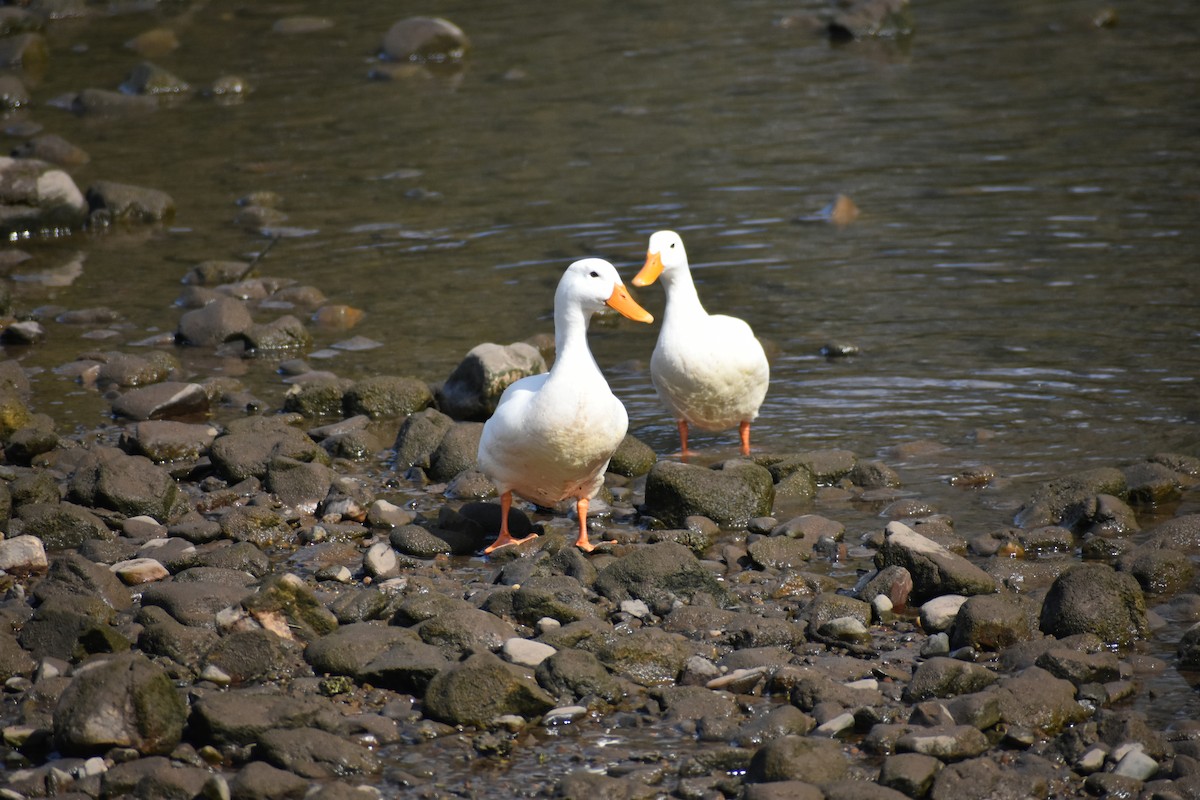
(221, 595)
(217, 598)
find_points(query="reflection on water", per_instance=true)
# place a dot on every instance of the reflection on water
(1024, 263)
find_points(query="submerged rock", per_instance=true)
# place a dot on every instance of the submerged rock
(36, 197)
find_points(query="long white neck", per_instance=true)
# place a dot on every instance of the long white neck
(570, 337)
(682, 300)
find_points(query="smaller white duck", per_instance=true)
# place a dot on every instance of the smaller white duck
(553, 434)
(709, 369)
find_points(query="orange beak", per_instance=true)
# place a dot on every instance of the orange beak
(627, 306)
(650, 270)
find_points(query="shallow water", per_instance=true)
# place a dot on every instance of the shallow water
(1024, 264)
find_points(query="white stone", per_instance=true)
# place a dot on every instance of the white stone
(563, 714)
(22, 554)
(1136, 764)
(381, 561)
(140, 570)
(635, 608)
(939, 613)
(836, 725)
(526, 652)
(547, 624)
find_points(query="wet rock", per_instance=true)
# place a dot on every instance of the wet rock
(71, 629)
(193, 604)
(299, 484)
(1149, 483)
(166, 400)
(794, 758)
(250, 444)
(1080, 667)
(894, 582)
(240, 718)
(164, 441)
(947, 677)
(257, 655)
(948, 743)
(315, 754)
(555, 596)
(122, 202)
(572, 675)
(453, 695)
(874, 475)
(1110, 516)
(419, 437)
(259, 780)
(425, 39)
(934, 569)
(126, 701)
(155, 776)
(417, 541)
(811, 687)
(731, 496)
(382, 396)
(23, 331)
(661, 575)
(465, 629)
(456, 452)
(1180, 533)
(1094, 598)
(125, 370)
(221, 320)
(130, 485)
(163, 636)
(1070, 501)
(26, 444)
(632, 458)
(910, 773)
(62, 526)
(647, 656)
(36, 197)
(473, 389)
(1159, 570)
(149, 78)
(995, 621)
(136, 571)
(285, 333)
(52, 148)
(317, 397)
(1035, 699)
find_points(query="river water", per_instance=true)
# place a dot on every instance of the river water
(1021, 283)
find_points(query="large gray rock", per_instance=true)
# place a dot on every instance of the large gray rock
(480, 689)
(419, 437)
(660, 575)
(456, 452)
(1070, 501)
(463, 630)
(251, 443)
(994, 621)
(730, 496)
(241, 718)
(219, 321)
(126, 701)
(473, 389)
(36, 197)
(315, 754)
(130, 485)
(935, 570)
(947, 677)
(1035, 699)
(166, 400)
(168, 440)
(62, 526)
(798, 758)
(125, 203)
(1095, 598)
(381, 396)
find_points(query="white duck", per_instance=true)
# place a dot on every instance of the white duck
(709, 369)
(552, 434)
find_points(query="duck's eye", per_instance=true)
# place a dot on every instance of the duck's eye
(672, 245)
(594, 274)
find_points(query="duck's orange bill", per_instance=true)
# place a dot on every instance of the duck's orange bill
(626, 305)
(650, 270)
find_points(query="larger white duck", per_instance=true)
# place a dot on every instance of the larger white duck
(552, 434)
(709, 369)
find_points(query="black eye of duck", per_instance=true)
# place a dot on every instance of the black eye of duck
(594, 274)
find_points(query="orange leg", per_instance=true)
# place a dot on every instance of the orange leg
(683, 428)
(505, 538)
(744, 430)
(583, 543)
